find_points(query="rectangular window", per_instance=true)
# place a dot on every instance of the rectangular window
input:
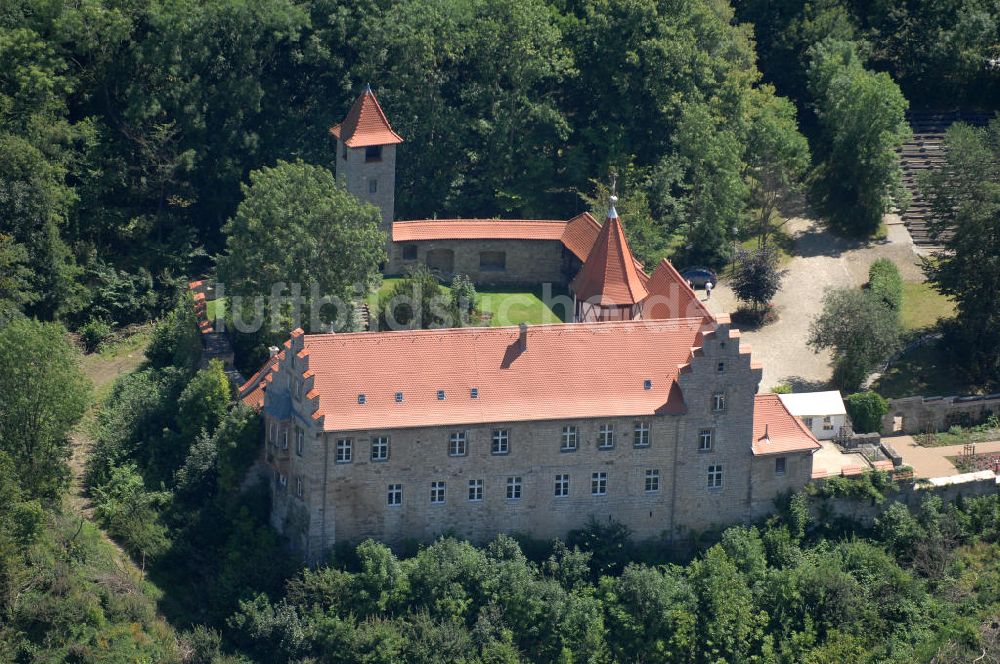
(501, 441)
(283, 482)
(492, 261)
(409, 252)
(380, 448)
(299, 487)
(715, 477)
(394, 496)
(344, 450)
(562, 485)
(475, 490)
(641, 434)
(718, 402)
(273, 433)
(284, 439)
(652, 480)
(300, 441)
(373, 153)
(437, 493)
(513, 488)
(373, 186)
(721, 367)
(808, 421)
(457, 444)
(343, 151)
(779, 466)
(569, 438)
(827, 423)
(599, 484)
(298, 389)
(705, 440)
(606, 437)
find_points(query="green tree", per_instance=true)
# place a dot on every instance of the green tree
(296, 225)
(756, 277)
(861, 332)
(862, 121)
(204, 402)
(965, 204)
(866, 410)
(419, 303)
(130, 513)
(43, 394)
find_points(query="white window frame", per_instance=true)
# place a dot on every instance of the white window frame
(715, 476)
(652, 483)
(273, 433)
(641, 434)
(514, 487)
(808, 421)
(458, 444)
(284, 438)
(828, 423)
(606, 437)
(706, 435)
(300, 441)
(300, 489)
(476, 489)
(394, 495)
(344, 450)
(570, 439)
(719, 402)
(439, 492)
(500, 444)
(599, 483)
(380, 444)
(562, 485)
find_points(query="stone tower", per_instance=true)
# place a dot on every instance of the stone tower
(366, 156)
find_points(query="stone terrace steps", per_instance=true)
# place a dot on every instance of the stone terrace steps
(922, 153)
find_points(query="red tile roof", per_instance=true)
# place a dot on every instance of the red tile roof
(566, 371)
(366, 124)
(776, 431)
(609, 276)
(478, 229)
(670, 296)
(580, 233)
(252, 392)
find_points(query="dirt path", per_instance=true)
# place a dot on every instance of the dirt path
(821, 261)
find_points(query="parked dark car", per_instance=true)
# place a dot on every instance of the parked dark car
(699, 276)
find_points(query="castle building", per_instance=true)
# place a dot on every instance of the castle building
(643, 410)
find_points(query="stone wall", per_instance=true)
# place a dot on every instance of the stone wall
(528, 262)
(913, 415)
(348, 501)
(356, 174)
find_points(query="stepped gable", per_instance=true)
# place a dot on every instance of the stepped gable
(413, 378)
(777, 431)
(366, 124)
(670, 296)
(610, 275)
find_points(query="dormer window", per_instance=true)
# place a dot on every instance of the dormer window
(647, 384)
(474, 393)
(440, 395)
(361, 400)
(373, 153)
(399, 397)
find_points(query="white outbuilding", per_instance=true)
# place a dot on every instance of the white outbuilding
(822, 412)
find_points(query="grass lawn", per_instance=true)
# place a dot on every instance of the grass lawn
(213, 306)
(959, 436)
(923, 306)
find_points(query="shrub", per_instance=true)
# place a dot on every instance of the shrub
(781, 388)
(94, 332)
(866, 410)
(463, 293)
(885, 284)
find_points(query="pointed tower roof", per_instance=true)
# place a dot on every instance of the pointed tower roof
(366, 124)
(610, 276)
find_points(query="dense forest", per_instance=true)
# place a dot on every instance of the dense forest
(138, 137)
(127, 128)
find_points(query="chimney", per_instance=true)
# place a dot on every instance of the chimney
(523, 338)
(272, 351)
(767, 435)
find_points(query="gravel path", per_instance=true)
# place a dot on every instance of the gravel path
(933, 461)
(821, 261)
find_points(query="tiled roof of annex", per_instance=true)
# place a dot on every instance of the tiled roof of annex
(473, 375)
(776, 431)
(609, 276)
(366, 124)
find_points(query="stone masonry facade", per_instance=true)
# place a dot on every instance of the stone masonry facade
(525, 262)
(655, 476)
(371, 180)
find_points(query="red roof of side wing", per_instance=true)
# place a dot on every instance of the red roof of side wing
(670, 296)
(563, 371)
(776, 431)
(366, 124)
(610, 275)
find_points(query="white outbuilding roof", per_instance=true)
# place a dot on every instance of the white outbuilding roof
(814, 404)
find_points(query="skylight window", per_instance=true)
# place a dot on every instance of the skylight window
(361, 400)
(474, 393)
(399, 397)
(440, 395)
(647, 384)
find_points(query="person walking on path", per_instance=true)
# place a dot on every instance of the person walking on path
(708, 290)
